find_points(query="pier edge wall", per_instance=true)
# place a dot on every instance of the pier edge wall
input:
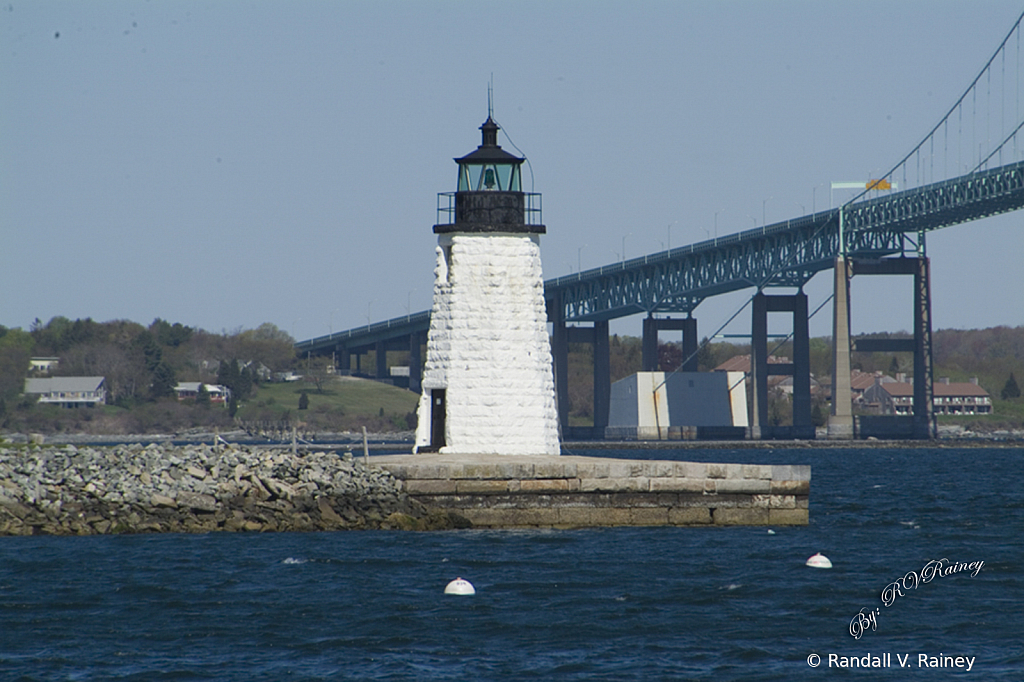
(570, 491)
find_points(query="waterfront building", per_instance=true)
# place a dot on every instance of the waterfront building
(42, 366)
(68, 391)
(678, 406)
(963, 398)
(188, 390)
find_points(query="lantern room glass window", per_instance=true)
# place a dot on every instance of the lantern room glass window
(491, 177)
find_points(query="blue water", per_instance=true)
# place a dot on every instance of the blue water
(596, 604)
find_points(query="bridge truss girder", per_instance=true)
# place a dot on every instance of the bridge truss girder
(785, 254)
(942, 204)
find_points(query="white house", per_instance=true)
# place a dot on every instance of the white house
(42, 365)
(68, 391)
(188, 390)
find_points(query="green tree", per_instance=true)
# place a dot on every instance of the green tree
(163, 382)
(244, 384)
(266, 344)
(202, 397)
(227, 373)
(239, 380)
(818, 417)
(16, 349)
(1010, 389)
(821, 357)
(670, 357)
(780, 409)
(626, 356)
(145, 343)
(705, 356)
(303, 401)
(168, 334)
(60, 333)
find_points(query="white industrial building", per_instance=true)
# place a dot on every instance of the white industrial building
(680, 405)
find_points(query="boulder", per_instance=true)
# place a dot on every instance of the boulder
(165, 488)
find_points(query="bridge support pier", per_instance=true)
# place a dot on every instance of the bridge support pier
(598, 337)
(923, 422)
(799, 369)
(560, 362)
(840, 420)
(924, 396)
(602, 378)
(382, 359)
(416, 341)
(652, 325)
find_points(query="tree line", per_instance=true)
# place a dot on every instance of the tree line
(141, 364)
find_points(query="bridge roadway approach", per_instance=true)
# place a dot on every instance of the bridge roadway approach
(883, 235)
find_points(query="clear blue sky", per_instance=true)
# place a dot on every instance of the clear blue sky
(224, 164)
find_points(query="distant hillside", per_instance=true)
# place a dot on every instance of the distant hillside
(989, 354)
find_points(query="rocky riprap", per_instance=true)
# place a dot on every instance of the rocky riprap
(72, 490)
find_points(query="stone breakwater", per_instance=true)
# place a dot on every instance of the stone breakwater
(197, 489)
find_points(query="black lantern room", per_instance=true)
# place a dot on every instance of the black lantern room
(490, 197)
(490, 168)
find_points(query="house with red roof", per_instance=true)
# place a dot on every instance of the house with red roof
(897, 397)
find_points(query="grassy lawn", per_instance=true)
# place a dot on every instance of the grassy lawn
(345, 403)
(1006, 414)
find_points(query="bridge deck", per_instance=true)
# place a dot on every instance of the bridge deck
(787, 253)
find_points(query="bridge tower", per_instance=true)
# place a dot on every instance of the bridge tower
(840, 419)
(487, 385)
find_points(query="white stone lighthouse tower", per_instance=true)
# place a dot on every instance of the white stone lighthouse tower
(487, 381)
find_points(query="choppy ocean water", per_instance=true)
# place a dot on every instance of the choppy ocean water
(594, 604)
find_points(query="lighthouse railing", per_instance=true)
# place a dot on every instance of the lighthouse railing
(532, 208)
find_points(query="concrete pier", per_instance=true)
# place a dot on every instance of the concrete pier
(493, 491)
(840, 421)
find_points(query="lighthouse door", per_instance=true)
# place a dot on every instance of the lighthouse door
(437, 414)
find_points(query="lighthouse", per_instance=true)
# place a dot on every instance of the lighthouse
(487, 381)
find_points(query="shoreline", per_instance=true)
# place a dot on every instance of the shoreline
(940, 443)
(344, 440)
(398, 441)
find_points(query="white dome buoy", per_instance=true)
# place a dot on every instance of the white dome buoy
(459, 586)
(771, 532)
(819, 561)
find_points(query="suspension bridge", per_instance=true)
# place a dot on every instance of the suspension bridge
(948, 179)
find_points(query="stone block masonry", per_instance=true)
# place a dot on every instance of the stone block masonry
(571, 492)
(488, 348)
